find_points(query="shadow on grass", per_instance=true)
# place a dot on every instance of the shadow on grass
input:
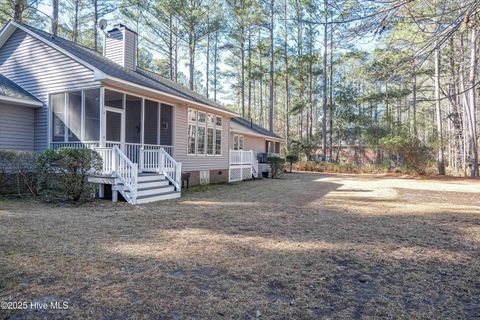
(279, 247)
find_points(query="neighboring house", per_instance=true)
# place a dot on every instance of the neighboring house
(148, 130)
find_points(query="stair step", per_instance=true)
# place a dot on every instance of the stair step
(155, 190)
(158, 197)
(152, 184)
(143, 177)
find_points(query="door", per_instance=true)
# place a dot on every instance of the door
(115, 130)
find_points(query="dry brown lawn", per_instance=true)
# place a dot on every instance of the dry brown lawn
(305, 246)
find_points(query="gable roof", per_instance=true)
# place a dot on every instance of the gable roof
(239, 124)
(11, 92)
(105, 66)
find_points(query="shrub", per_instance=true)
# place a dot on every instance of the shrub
(276, 165)
(63, 173)
(292, 158)
(17, 170)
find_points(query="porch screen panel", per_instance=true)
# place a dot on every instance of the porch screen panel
(92, 115)
(114, 99)
(133, 118)
(151, 122)
(114, 126)
(74, 115)
(57, 103)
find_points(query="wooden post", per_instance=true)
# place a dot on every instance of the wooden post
(101, 191)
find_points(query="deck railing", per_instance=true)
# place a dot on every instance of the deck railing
(131, 150)
(241, 156)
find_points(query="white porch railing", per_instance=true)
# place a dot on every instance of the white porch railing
(108, 156)
(75, 145)
(131, 150)
(152, 160)
(241, 156)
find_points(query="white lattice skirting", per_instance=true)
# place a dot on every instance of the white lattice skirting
(239, 172)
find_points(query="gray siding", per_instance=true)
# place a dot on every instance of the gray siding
(40, 69)
(130, 50)
(257, 144)
(16, 127)
(197, 162)
(114, 47)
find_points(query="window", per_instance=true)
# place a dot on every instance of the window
(210, 142)
(218, 141)
(204, 133)
(57, 103)
(192, 133)
(75, 116)
(201, 139)
(238, 142)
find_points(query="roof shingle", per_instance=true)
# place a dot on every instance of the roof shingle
(140, 76)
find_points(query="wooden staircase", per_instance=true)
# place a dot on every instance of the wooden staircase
(153, 187)
(158, 179)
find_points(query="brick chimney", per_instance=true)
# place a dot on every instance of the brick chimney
(120, 46)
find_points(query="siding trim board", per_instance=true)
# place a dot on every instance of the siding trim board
(23, 102)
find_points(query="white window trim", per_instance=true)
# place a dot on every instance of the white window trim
(205, 125)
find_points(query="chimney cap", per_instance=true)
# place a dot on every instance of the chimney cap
(120, 26)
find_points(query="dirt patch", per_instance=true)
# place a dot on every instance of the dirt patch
(305, 246)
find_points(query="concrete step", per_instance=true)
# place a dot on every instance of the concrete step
(158, 197)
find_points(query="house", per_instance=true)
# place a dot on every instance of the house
(252, 142)
(147, 129)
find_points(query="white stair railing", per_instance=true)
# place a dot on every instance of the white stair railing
(107, 154)
(127, 172)
(161, 162)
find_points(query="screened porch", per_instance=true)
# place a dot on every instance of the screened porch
(102, 117)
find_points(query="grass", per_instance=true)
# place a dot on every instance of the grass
(305, 246)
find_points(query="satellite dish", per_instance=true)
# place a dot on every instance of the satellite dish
(102, 24)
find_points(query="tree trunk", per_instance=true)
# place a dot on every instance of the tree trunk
(207, 75)
(249, 73)
(191, 54)
(170, 47)
(325, 79)
(441, 160)
(272, 72)
(18, 8)
(215, 62)
(472, 112)
(330, 104)
(287, 89)
(55, 20)
(95, 21)
(76, 8)
(242, 70)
